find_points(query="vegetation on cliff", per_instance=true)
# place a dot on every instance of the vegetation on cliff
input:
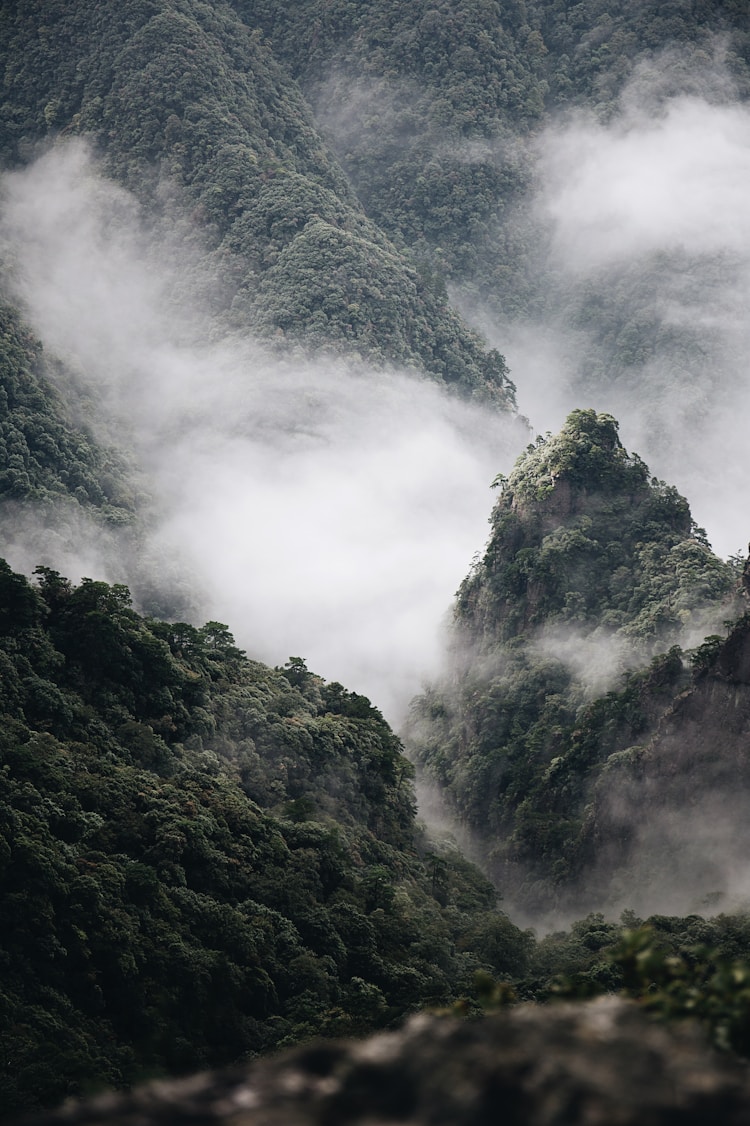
(592, 569)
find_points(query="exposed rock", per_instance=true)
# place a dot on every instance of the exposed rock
(669, 817)
(600, 1063)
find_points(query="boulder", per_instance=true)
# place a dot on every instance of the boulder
(598, 1063)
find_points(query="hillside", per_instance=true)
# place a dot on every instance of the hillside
(261, 265)
(203, 857)
(48, 456)
(565, 651)
(433, 110)
(227, 150)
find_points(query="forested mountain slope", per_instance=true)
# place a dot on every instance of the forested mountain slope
(592, 568)
(204, 858)
(668, 816)
(47, 455)
(190, 109)
(201, 857)
(425, 105)
(592, 50)
(432, 108)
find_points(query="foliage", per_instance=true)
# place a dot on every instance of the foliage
(423, 104)
(676, 968)
(592, 568)
(592, 49)
(190, 110)
(200, 857)
(45, 455)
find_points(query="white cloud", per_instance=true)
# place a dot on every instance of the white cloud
(646, 284)
(323, 511)
(642, 185)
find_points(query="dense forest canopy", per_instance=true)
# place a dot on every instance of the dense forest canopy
(203, 857)
(360, 209)
(235, 141)
(47, 455)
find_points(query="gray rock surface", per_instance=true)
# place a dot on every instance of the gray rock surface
(599, 1063)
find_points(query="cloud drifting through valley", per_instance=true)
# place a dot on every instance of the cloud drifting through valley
(321, 511)
(331, 512)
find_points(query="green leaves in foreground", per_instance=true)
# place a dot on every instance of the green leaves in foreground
(701, 983)
(674, 981)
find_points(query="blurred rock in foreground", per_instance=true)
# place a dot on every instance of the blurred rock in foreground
(600, 1063)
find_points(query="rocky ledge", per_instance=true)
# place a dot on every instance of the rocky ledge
(599, 1063)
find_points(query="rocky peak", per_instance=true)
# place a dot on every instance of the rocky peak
(582, 535)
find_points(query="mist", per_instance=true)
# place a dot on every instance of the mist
(321, 509)
(327, 510)
(643, 276)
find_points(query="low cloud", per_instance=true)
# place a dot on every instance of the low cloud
(645, 185)
(322, 510)
(643, 276)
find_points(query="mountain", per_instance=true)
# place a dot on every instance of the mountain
(203, 857)
(49, 456)
(594, 574)
(572, 174)
(433, 110)
(187, 107)
(326, 225)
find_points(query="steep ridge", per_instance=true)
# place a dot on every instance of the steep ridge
(190, 110)
(434, 109)
(428, 107)
(592, 568)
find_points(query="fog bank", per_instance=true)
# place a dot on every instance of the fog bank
(319, 509)
(644, 276)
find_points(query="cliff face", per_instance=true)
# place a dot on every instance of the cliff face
(598, 1064)
(582, 535)
(669, 816)
(592, 568)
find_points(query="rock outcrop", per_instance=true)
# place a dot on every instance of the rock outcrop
(600, 1063)
(670, 815)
